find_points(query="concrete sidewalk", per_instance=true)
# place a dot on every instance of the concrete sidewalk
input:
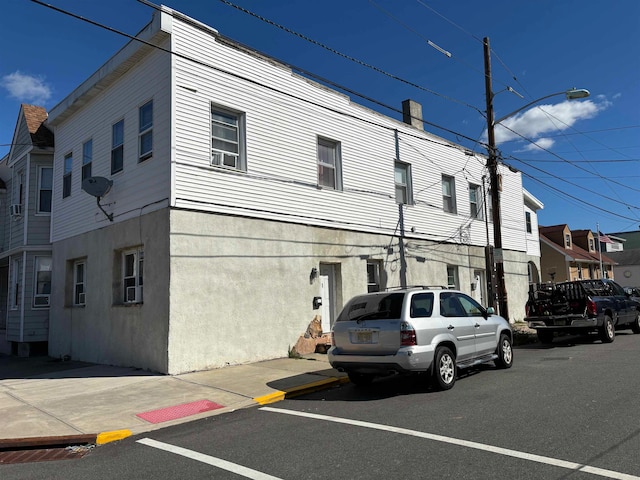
(41, 398)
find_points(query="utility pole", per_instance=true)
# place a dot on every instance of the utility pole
(492, 166)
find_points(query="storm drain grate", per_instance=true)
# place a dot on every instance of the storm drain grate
(30, 455)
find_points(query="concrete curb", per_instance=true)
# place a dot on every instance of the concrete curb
(300, 390)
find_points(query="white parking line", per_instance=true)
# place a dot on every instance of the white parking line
(463, 443)
(201, 457)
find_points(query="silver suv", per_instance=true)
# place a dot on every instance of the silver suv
(423, 329)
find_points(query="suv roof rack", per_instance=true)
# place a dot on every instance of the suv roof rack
(423, 287)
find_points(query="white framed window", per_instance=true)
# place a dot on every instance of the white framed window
(18, 188)
(402, 176)
(592, 245)
(42, 284)
(567, 240)
(374, 283)
(132, 275)
(227, 138)
(87, 158)
(475, 201)
(527, 218)
(117, 147)
(79, 282)
(145, 131)
(449, 194)
(16, 283)
(452, 276)
(329, 164)
(45, 189)
(66, 177)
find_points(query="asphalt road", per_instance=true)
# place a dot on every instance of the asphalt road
(568, 411)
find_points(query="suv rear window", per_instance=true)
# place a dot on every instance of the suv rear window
(421, 305)
(373, 307)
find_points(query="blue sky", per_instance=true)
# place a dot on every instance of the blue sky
(581, 158)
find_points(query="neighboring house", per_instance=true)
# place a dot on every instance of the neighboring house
(531, 206)
(25, 249)
(247, 200)
(625, 251)
(571, 255)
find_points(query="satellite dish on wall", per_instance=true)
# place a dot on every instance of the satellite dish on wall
(98, 187)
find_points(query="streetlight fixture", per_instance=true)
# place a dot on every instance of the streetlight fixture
(492, 165)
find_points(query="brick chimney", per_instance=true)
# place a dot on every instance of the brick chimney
(412, 113)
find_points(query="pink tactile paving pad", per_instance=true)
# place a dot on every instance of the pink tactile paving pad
(178, 411)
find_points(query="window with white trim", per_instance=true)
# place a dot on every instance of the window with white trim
(45, 189)
(329, 164)
(66, 177)
(475, 201)
(374, 269)
(117, 147)
(42, 284)
(227, 138)
(16, 282)
(87, 158)
(132, 275)
(449, 194)
(527, 217)
(452, 276)
(402, 176)
(567, 240)
(79, 282)
(145, 131)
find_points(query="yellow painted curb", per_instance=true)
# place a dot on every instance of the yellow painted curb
(300, 390)
(270, 398)
(113, 436)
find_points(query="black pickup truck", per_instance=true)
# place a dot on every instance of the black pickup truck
(581, 306)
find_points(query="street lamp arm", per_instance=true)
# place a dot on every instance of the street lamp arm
(570, 94)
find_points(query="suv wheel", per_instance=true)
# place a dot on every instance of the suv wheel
(504, 352)
(360, 379)
(608, 331)
(444, 368)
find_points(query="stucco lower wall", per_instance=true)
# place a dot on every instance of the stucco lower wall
(105, 330)
(240, 288)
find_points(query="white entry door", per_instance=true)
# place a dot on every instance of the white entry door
(325, 309)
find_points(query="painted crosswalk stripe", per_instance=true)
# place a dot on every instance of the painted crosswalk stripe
(463, 443)
(209, 460)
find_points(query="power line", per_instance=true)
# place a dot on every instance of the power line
(348, 57)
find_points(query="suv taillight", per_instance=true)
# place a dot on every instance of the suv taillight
(592, 309)
(407, 335)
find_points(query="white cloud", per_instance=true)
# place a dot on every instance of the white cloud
(26, 88)
(547, 118)
(540, 143)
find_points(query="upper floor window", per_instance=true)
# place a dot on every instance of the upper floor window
(42, 285)
(527, 218)
(45, 185)
(117, 147)
(132, 275)
(592, 245)
(567, 240)
(87, 158)
(145, 129)
(475, 203)
(18, 188)
(449, 194)
(66, 178)
(227, 139)
(402, 174)
(329, 164)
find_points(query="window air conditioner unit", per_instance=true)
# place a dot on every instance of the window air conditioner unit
(81, 297)
(41, 301)
(216, 158)
(134, 295)
(16, 210)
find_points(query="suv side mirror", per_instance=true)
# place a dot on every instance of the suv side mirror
(491, 311)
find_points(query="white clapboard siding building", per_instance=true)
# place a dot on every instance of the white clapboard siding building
(242, 196)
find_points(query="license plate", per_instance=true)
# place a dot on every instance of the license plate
(363, 337)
